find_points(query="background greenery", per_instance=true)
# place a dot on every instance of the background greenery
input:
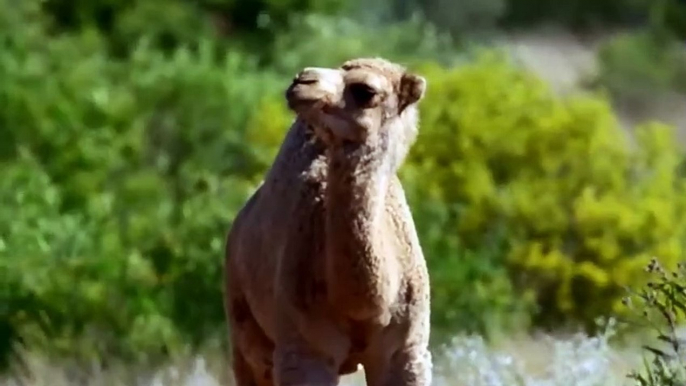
(131, 132)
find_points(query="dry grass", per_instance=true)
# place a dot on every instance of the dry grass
(575, 360)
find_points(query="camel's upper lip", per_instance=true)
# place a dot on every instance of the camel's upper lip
(301, 103)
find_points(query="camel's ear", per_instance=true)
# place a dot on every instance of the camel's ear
(412, 90)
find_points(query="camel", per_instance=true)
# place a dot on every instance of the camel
(324, 272)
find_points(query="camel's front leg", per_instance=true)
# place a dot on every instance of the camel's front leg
(407, 367)
(297, 365)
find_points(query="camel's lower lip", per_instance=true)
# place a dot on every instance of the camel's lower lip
(301, 103)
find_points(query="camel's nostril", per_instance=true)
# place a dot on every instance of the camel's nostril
(307, 76)
(301, 80)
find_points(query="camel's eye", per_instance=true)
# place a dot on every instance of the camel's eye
(361, 93)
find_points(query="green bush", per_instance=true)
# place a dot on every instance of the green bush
(660, 305)
(556, 181)
(470, 286)
(120, 179)
(68, 278)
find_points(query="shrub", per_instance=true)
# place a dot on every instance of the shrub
(119, 183)
(662, 307)
(556, 181)
(68, 278)
(471, 289)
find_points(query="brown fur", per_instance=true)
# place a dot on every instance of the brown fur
(324, 270)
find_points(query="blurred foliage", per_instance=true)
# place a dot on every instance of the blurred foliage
(637, 64)
(471, 288)
(669, 16)
(118, 185)
(177, 21)
(579, 210)
(458, 17)
(467, 17)
(132, 132)
(578, 13)
(410, 42)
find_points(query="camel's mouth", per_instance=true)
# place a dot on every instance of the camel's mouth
(313, 89)
(305, 102)
(298, 98)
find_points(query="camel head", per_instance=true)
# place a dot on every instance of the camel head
(364, 101)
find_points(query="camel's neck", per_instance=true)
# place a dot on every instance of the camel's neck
(360, 274)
